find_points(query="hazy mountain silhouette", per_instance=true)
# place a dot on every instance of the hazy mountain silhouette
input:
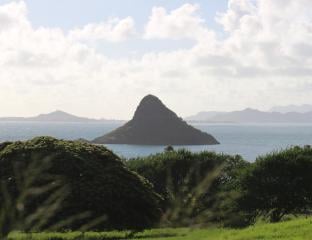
(56, 116)
(292, 108)
(253, 115)
(203, 116)
(154, 124)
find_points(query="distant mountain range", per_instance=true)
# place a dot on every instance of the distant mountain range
(251, 115)
(56, 116)
(292, 108)
(291, 113)
(203, 116)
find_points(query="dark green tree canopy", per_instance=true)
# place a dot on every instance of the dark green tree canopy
(279, 183)
(173, 169)
(99, 182)
(207, 177)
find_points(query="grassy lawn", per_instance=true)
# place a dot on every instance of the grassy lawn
(290, 230)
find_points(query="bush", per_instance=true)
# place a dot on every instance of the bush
(197, 187)
(99, 184)
(278, 184)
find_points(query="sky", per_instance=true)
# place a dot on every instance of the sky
(99, 58)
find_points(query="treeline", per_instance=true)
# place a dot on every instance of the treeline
(49, 184)
(210, 188)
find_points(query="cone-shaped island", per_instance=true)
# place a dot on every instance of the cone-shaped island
(154, 124)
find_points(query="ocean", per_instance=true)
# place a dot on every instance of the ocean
(247, 140)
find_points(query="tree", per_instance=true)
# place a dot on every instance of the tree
(169, 148)
(278, 184)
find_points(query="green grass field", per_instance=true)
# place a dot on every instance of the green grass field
(290, 230)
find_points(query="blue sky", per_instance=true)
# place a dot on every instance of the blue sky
(72, 13)
(69, 14)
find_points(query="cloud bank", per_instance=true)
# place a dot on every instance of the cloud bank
(261, 59)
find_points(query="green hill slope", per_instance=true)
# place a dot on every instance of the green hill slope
(297, 229)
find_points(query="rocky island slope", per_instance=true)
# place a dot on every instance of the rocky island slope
(154, 124)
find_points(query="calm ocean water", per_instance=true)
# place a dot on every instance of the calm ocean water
(248, 140)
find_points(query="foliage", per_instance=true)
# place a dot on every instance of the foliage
(169, 148)
(99, 184)
(197, 187)
(33, 182)
(279, 183)
(54, 184)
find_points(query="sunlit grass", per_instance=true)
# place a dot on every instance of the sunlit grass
(290, 230)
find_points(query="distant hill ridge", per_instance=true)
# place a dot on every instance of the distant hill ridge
(292, 108)
(154, 124)
(254, 115)
(56, 116)
(291, 113)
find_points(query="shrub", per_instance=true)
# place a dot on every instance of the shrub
(99, 184)
(197, 187)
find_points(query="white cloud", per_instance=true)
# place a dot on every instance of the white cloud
(114, 30)
(12, 16)
(237, 11)
(180, 23)
(263, 60)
